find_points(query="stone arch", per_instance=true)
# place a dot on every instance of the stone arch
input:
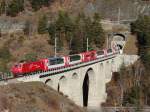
(49, 82)
(88, 86)
(62, 85)
(101, 65)
(74, 86)
(74, 76)
(119, 46)
(63, 78)
(108, 71)
(112, 61)
(107, 61)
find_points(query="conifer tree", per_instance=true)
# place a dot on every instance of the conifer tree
(37, 4)
(142, 28)
(42, 26)
(97, 31)
(15, 7)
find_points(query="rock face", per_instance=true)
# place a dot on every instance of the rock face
(108, 9)
(129, 9)
(34, 97)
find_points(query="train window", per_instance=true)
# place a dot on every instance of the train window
(74, 58)
(100, 52)
(52, 61)
(55, 61)
(109, 50)
(60, 60)
(16, 65)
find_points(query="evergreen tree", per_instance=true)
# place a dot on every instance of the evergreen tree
(76, 31)
(142, 28)
(88, 33)
(37, 4)
(5, 57)
(77, 40)
(2, 7)
(52, 32)
(86, 27)
(78, 43)
(62, 28)
(64, 25)
(15, 7)
(42, 26)
(30, 57)
(27, 28)
(97, 31)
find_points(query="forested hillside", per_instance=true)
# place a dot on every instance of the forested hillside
(36, 38)
(107, 8)
(130, 86)
(23, 22)
(28, 29)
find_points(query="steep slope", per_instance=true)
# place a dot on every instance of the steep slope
(131, 45)
(34, 97)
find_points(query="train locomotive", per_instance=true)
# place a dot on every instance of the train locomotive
(57, 62)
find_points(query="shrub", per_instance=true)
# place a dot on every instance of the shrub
(42, 26)
(15, 7)
(5, 53)
(37, 4)
(141, 27)
(30, 57)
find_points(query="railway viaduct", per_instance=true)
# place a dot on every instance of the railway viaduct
(84, 83)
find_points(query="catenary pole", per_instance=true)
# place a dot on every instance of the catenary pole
(87, 44)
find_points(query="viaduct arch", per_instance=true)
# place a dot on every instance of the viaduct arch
(87, 87)
(62, 85)
(49, 82)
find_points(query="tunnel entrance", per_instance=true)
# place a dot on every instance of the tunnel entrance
(119, 37)
(85, 89)
(120, 47)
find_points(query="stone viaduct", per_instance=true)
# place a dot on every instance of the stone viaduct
(84, 83)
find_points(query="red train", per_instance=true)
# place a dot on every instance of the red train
(29, 67)
(57, 62)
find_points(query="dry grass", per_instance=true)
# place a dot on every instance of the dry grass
(34, 97)
(20, 45)
(131, 45)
